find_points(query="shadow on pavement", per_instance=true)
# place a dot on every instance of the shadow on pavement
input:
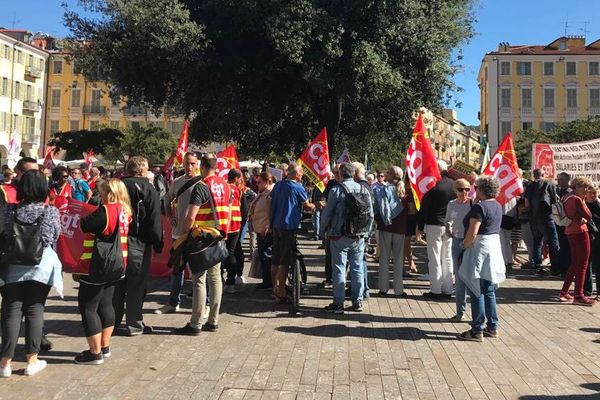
(589, 386)
(395, 333)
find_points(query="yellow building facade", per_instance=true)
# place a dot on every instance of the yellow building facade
(23, 68)
(538, 86)
(74, 103)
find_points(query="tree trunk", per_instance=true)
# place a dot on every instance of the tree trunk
(333, 118)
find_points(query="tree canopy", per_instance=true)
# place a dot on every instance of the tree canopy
(75, 143)
(153, 143)
(266, 74)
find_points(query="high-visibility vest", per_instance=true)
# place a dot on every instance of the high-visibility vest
(114, 214)
(9, 193)
(236, 214)
(64, 192)
(221, 194)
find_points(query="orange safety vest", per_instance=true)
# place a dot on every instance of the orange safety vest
(64, 192)
(221, 194)
(236, 214)
(9, 193)
(114, 214)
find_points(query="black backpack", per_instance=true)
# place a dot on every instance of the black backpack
(24, 242)
(358, 206)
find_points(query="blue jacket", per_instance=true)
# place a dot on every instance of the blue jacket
(333, 217)
(388, 205)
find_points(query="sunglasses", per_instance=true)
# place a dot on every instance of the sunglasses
(463, 189)
(381, 176)
(64, 176)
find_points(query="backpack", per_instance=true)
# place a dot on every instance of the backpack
(558, 212)
(358, 205)
(24, 242)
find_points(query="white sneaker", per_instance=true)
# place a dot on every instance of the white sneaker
(167, 309)
(33, 369)
(239, 280)
(230, 289)
(424, 277)
(5, 372)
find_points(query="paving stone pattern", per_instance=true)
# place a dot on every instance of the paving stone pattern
(395, 349)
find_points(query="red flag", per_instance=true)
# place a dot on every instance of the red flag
(315, 161)
(176, 158)
(503, 165)
(226, 160)
(421, 165)
(48, 161)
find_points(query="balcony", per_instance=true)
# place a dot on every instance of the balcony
(94, 110)
(33, 72)
(572, 111)
(134, 111)
(594, 111)
(32, 106)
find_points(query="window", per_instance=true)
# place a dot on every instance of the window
(30, 60)
(548, 97)
(562, 45)
(571, 97)
(571, 68)
(549, 68)
(4, 88)
(2, 122)
(29, 127)
(505, 97)
(54, 127)
(74, 125)
(55, 98)
(526, 98)
(6, 52)
(523, 68)
(29, 93)
(57, 67)
(526, 125)
(547, 126)
(17, 93)
(20, 56)
(75, 98)
(593, 68)
(505, 127)
(595, 98)
(135, 125)
(96, 97)
(114, 124)
(94, 125)
(505, 68)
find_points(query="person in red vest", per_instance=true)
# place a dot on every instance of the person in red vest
(234, 263)
(110, 224)
(201, 214)
(8, 190)
(60, 186)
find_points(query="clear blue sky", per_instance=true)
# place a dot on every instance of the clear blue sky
(513, 21)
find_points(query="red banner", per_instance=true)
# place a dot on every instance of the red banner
(421, 165)
(315, 161)
(48, 161)
(176, 158)
(226, 160)
(503, 165)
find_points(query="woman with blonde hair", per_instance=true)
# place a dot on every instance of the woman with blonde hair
(110, 225)
(391, 207)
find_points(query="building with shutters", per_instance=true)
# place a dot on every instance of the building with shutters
(538, 86)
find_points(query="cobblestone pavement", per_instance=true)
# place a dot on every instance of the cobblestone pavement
(395, 349)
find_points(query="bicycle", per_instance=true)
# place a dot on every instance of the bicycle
(296, 279)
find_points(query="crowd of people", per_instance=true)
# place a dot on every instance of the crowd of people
(471, 239)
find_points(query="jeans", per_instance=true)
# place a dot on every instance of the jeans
(199, 295)
(440, 260)
(460, 290)
(132, 289)
(265, 246)
(244, 232)
(316, 220)
(176, 285)
(328, 268)
(580, 256)
(545, 229)
(351, 250)
(23, 299)
(484, 307)
(391, 243)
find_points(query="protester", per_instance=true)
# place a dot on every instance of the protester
(579, 241)
(202, 212)
(411, 228)
(455, 214)
(564, 252)
(288, 197)
(145, 234)
(259, 214)
(110, 224)
(432, 214)
(176, 202)
(234, 264)
(593, 204)
(60, 186)
(482, 267)
(391, 207)
(331, 183)
(81, 189)
(371, 180)
(160, 185)
(26, 287)
(539, 197)
(346, 247)
(359, 177)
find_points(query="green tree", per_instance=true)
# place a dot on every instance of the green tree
(153, 143)
(77, 142)
(267, 74)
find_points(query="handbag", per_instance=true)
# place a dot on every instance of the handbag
(24, 244)
(205, 252)
(107, 263)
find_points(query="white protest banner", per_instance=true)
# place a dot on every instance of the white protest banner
(577, 158)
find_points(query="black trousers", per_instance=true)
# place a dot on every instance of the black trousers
(232, 263)
(265, 246)
(95, 307)
(132, 289)
(23, 299)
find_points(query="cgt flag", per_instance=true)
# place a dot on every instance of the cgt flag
(315, 161)
(48, 161)
(421, 165)
(503, 166)
(176, 158)
(226, 160)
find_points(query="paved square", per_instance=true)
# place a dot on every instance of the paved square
(395, 349)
